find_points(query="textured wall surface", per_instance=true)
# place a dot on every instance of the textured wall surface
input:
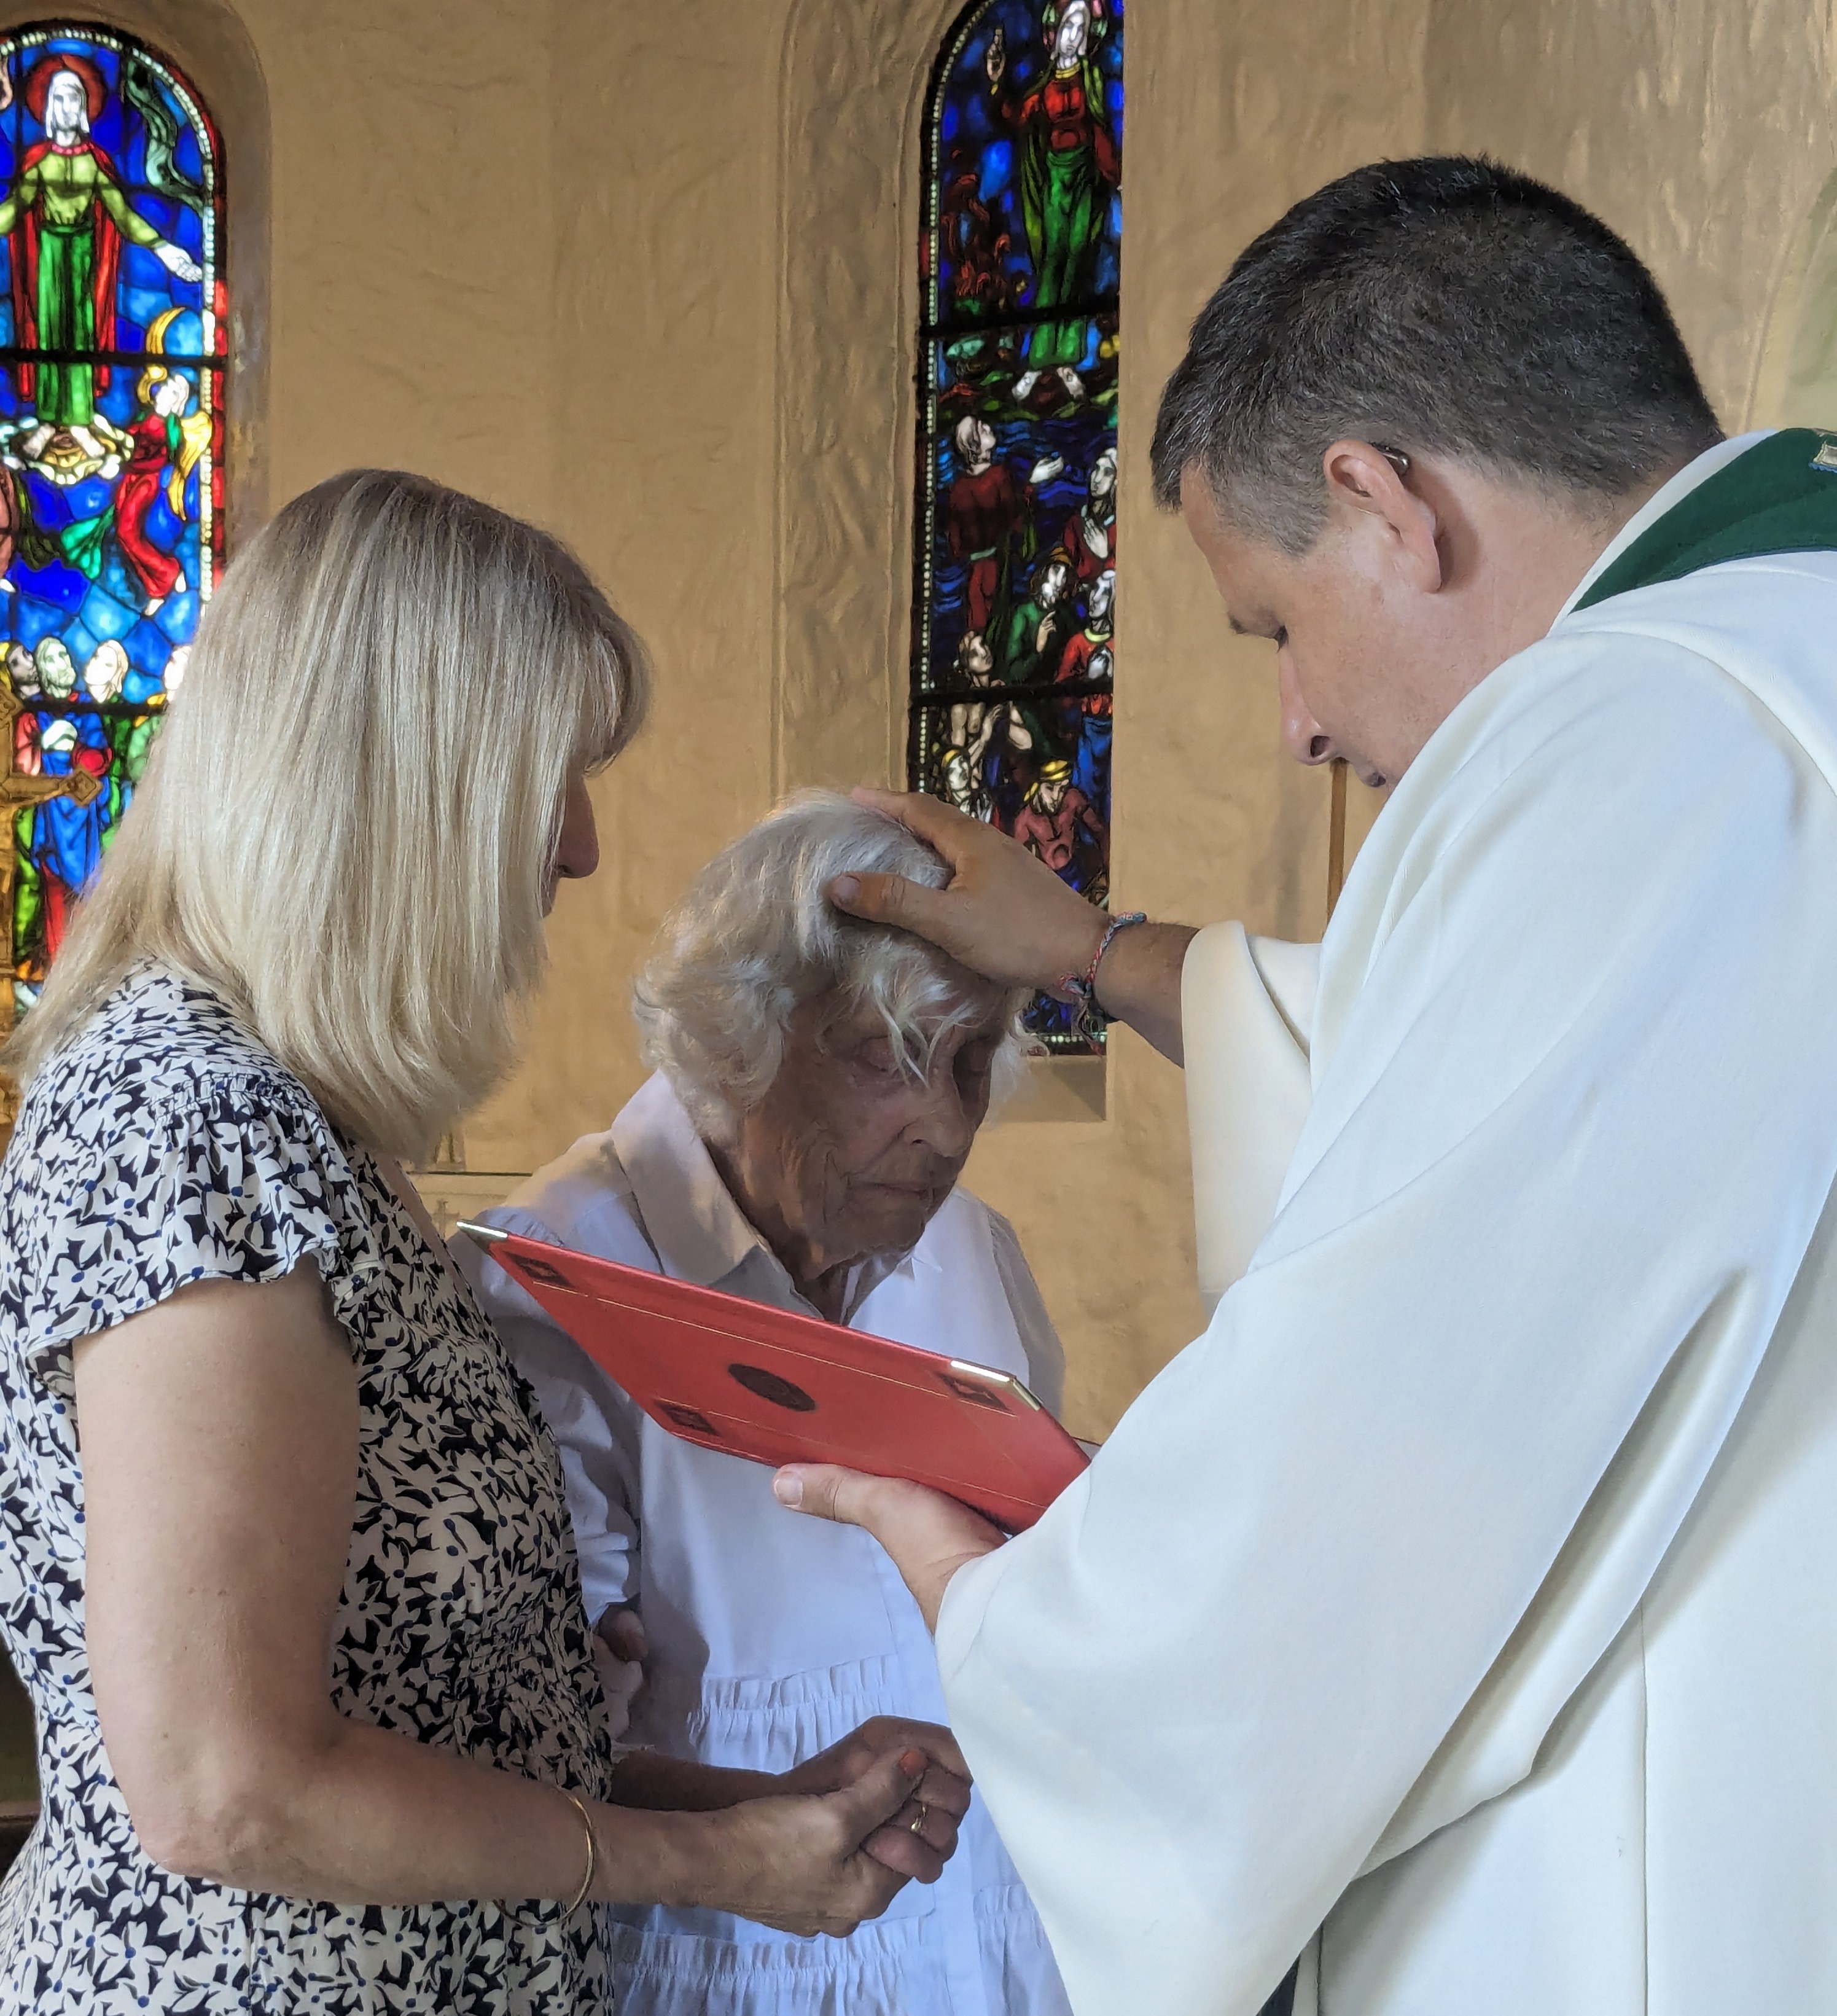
(1702, 130)
(645, 274)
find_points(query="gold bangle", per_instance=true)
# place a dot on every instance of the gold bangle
(592, 1853)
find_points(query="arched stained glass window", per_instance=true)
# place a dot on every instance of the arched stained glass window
(1016, 537)
(112, 351)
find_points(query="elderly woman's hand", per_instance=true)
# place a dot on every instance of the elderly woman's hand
(928, 1536)
(620, 1650)
(939, 1801)
(812, 1862)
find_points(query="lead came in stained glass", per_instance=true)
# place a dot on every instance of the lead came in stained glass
(1015, 567)
(112, 351)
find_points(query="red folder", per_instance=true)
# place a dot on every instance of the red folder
(777, 1386)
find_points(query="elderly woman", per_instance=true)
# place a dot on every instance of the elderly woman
(819, 1084)
(286, 1564)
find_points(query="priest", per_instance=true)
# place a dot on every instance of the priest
(1459, 1612)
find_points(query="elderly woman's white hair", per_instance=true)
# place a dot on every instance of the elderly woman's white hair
(755, 936)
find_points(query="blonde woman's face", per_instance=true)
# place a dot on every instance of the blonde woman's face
(577, 846)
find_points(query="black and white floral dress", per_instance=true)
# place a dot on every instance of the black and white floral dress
(166, 1146)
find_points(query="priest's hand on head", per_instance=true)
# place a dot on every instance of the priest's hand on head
(928, 1536)
(1004, 913)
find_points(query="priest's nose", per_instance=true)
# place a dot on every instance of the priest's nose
(1303, 736)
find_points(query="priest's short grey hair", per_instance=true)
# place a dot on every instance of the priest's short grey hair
(350, 813)
(754, 937)
(1444, 306)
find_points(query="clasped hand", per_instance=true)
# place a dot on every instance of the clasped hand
(847, 1831)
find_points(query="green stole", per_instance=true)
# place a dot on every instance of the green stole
(1779, 496)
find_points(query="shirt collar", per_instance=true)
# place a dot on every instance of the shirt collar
(1668, 498)
(696, 1228)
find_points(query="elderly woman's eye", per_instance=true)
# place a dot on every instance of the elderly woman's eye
(974, 1062)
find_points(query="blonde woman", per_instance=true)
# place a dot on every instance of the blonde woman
(286, 1565)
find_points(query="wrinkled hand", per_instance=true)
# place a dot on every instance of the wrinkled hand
(801, 1863)
(927, 1822)
(928, 1536)
(1003, 913)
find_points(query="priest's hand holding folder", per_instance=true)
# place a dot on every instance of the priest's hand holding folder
(927, 1536)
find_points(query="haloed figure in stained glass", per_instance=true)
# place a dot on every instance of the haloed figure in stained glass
(1069, 166)
(65, 217)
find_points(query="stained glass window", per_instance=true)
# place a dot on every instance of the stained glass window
(113, 350)
(1016, 559)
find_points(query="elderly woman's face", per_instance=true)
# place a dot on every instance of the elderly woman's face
(846, 1156)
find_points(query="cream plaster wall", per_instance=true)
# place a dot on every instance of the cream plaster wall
(644, 273)
(1702, 130)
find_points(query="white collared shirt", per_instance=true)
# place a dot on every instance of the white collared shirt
(772, 1635)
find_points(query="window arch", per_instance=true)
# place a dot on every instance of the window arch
(113, 352)
(1019, 264)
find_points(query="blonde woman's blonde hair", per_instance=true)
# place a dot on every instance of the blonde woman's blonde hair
(349, 815)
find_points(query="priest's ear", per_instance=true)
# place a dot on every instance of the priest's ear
(1366, 482)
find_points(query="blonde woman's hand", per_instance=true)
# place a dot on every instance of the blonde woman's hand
(922, 1835)
(800, 1862)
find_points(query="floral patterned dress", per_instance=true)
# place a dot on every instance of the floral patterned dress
(165, 1146)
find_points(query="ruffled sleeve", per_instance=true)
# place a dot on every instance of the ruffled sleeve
(232, 1179)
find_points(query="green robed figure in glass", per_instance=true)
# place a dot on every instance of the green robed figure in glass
(1069, 166)
(64, 219)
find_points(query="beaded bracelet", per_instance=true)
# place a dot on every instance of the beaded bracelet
(1082, 987)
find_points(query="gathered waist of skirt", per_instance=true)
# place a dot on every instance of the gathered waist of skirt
(771, 1724)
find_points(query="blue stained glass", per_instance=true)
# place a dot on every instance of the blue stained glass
(104, 616)
(111, 486)
(62, 586)
(49, 503)
(142, 300)
(150, 647)
(33, 620)
(184, 337)
(1020, 263)
(178, 616)
(186, 157)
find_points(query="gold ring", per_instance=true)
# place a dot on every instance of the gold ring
(924, 1815)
